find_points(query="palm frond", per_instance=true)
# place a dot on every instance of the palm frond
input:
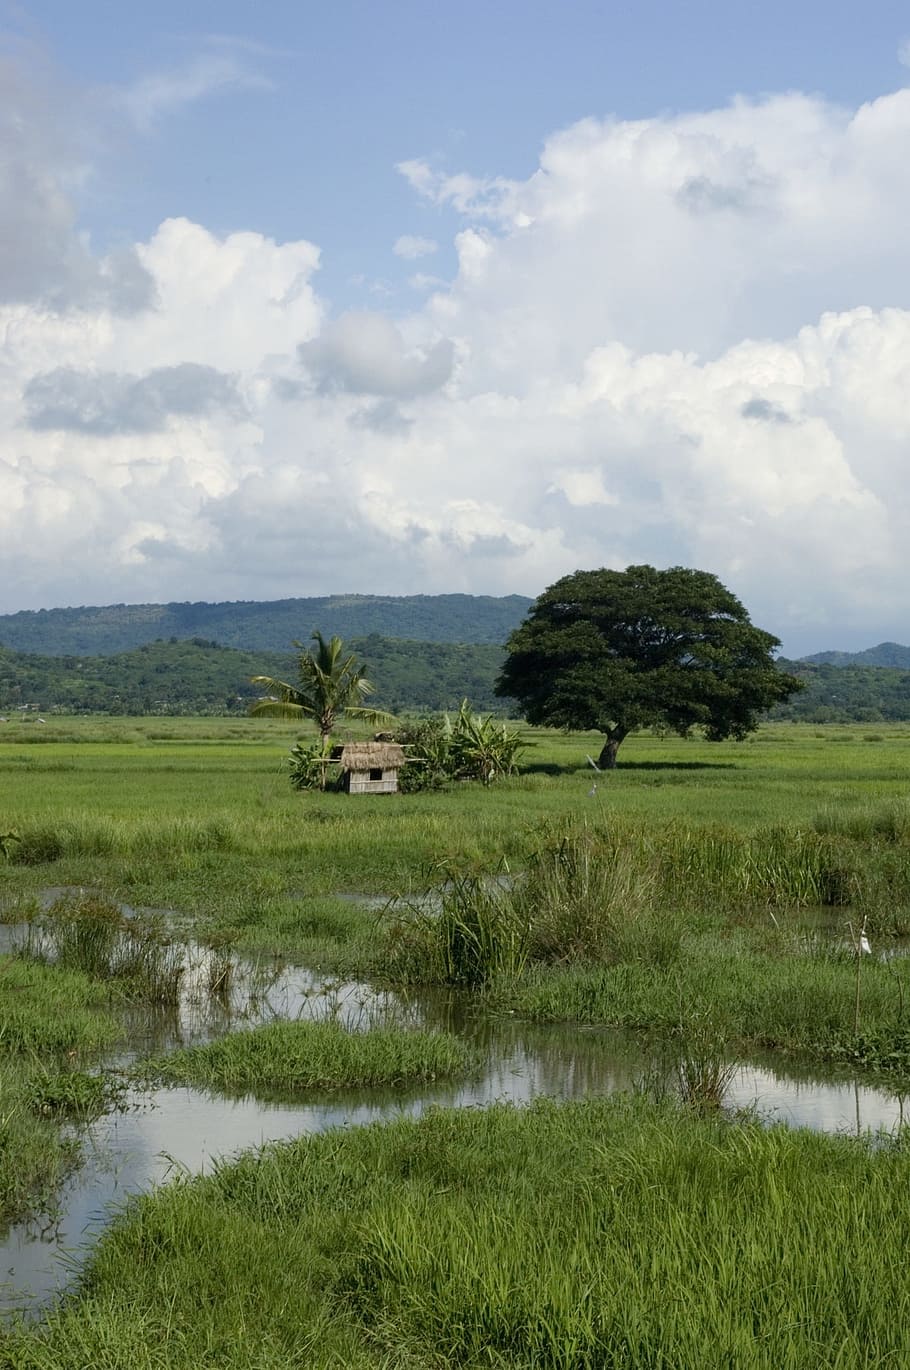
(277, 708)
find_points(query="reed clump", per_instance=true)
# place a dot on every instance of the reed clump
(91, 934)
(702, 1063)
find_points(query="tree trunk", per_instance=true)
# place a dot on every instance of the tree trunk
(607, 759)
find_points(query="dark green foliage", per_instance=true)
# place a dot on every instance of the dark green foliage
(620, 650)
(418, 677)
(158, 678)
(426, 742)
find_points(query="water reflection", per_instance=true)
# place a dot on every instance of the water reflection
(129, 1152)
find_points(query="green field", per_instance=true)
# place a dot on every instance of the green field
(711, 895)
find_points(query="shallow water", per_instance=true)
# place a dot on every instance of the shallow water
(172, 1129)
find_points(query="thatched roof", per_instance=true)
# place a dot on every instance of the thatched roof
(368, 756)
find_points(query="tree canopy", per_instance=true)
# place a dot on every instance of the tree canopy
(620, 650)
(329, 683)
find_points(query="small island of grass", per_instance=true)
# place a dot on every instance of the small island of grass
(288, 1058)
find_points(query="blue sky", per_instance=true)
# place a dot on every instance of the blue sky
(349, 90)
(485, 292)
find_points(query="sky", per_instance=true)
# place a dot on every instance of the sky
(402, 298)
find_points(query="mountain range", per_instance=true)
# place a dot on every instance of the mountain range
(885, 654)
(273, 625)
(264, 625)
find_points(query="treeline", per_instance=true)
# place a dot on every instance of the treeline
(202, 677)
(264, 625)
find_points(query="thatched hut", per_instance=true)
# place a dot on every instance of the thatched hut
(369, 767)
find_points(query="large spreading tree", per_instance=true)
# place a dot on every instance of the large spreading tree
(620, 650)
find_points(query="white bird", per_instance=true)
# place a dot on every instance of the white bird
(593, 790)
(865, 945)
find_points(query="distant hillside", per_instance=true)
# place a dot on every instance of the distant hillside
(846, 693)
(270, 625)
(885, 654)
(202, 677)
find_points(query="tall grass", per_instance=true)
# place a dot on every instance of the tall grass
(621, 891)
(287, 1058)
(88, 933)
(52, 1022)
(888, 822)
(605, 1233)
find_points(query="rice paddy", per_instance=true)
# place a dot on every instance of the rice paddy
(710, 897)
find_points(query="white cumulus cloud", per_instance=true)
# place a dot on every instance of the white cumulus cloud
(683, 340)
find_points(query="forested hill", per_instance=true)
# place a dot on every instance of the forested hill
(264, 625)
(203, 677)
(885, 654)
(846, 693)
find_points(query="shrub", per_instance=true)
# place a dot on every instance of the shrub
(307, 763)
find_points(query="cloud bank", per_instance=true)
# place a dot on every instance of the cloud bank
(680, 340)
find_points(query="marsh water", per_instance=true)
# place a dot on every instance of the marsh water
(158, 1133)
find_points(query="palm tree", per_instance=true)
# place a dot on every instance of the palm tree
(329, 684)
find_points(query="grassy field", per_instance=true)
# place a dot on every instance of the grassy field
(605, 1233)
(197, 814)
(713, 894)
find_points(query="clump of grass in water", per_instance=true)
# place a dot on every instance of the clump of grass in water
(461, 932)
(703, 1068)
(289, 1057)
(582, 898)
(89, 933)
(72, 1094)
(585, 897)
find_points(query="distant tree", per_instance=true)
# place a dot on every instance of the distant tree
(329, 684)
(619, 650)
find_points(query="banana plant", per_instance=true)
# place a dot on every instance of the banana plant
(482, 748)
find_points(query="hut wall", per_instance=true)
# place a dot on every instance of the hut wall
(359, 782)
